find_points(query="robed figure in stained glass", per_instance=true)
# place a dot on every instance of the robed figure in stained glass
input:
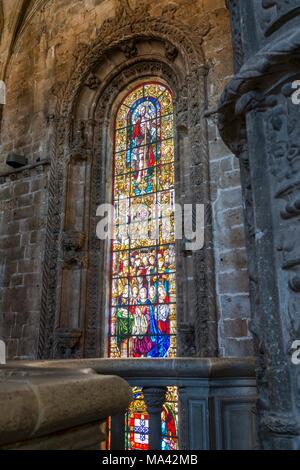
(142, 136)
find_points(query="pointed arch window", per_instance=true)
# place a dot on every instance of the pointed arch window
(143, 283)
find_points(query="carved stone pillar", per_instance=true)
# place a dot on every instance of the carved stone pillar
(258, 120)
(154, 399)
(70, 322)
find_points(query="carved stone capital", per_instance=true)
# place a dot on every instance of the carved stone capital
(66, 342)
(171, 51)
(73, 241)
(186, 340)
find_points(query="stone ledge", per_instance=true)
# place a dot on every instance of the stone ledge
(18, 172)
(36, 403)
(179, 367)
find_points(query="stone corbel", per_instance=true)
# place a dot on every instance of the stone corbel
(129, 49)
(79, 154)
(67, 342)
(171, 51)
(73, 244)
(92, 82)
(73, 241)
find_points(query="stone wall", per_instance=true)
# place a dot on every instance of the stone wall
(40, 63)
(23, 211)
(232, 281)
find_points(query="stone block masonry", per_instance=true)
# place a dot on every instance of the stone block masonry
(23, 212)
(232, 279)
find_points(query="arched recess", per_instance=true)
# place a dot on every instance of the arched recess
(133, 46)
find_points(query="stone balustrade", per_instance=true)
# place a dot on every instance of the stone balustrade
(43, 408)
(216, 398)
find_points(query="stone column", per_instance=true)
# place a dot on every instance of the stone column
(259, 121)
(154, 399)
(118, 432)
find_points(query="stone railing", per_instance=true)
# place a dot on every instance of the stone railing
(216, 399)
(57, 409)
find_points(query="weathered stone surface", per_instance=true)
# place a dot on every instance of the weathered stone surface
(259, 121)
(35, 404)
(229, 383)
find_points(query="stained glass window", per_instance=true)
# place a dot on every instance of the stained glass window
(143, 283)
(169, 420)
(137, 421)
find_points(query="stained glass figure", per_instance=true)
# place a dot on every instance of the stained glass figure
(143, 285)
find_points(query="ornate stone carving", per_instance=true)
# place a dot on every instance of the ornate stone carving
(131, 25)
(294, 283)
(256, 109)
(55, 195)
(280, 12)
(66, 343)
(73, 243)
(281, 5)
(129, 49)
(238, 52)
(75, 137)
(171, 52)
(186, 334)
(92, 82)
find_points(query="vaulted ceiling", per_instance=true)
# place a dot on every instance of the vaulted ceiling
(14, 16)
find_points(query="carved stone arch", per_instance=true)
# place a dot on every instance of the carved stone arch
(90, 105)
(129, 48)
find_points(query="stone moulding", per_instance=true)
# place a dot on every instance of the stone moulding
(119, 32)
(24, 172)
(212, 368)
